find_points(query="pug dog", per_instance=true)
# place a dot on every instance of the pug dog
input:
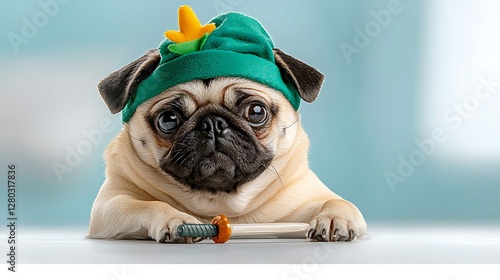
(225, 145)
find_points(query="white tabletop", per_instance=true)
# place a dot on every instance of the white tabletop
(385, 243)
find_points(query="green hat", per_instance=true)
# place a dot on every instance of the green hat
(231, 45)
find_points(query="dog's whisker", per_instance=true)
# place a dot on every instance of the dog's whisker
(134, 138)
(279, 176)
(273, 170)
(177, 157)
(181, 158)
(296, 121)
(169, 161)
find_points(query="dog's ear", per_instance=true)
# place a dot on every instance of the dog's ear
(306, 79)
(117, 88)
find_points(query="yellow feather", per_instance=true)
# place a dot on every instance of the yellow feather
(190, 27)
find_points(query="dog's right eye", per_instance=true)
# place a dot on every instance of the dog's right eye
(168, 121)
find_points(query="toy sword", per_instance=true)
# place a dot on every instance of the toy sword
(220, 230)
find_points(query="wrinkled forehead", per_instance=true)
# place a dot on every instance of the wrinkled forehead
(225, 91)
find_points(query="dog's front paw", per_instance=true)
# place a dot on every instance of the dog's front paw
(339, 220)
(166, 232)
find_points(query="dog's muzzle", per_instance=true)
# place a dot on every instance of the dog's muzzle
(216, 155)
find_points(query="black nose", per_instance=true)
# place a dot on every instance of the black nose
(214, 125)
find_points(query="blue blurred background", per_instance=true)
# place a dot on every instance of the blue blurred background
(396, 72)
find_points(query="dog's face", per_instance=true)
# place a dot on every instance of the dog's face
(211, 135)
(214, 135)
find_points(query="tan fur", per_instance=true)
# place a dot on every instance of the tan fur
(139, 200)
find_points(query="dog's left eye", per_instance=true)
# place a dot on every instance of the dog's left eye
(256, 114)
(168, 121)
